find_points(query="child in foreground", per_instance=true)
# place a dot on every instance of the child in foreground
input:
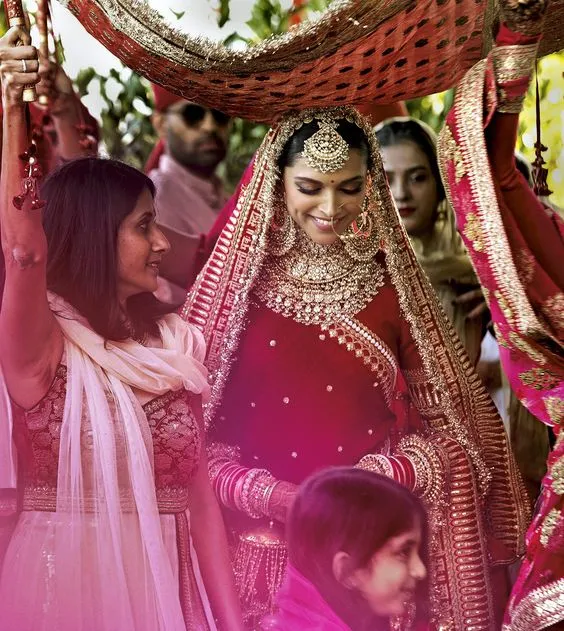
(357, 545)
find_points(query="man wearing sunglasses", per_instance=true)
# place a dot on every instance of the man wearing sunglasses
(192, 142)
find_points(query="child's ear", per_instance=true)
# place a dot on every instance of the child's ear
(342, 570)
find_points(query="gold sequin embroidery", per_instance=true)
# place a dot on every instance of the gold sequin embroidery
(473, 232)
(557, 476)
(554, 308)
(452, 152)
(555, 408)
(549, 525)
(539, 379)
(520, 344)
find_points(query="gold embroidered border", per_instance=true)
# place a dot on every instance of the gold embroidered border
(541, 608)
(555, 408)
(308, 41)
(423, 393)
(469, 101)
(369, 348)
(513, 62)
(549, 525)
(554, 309)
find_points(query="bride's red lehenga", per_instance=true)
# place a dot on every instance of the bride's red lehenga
(341, 355)
(517, 247)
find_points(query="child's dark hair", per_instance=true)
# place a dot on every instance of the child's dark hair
(86, 201)
(351, 133)
(357, 512)
(397, 131)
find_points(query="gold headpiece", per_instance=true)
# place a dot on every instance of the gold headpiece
(326, 151)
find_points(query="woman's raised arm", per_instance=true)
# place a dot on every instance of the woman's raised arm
(30, 340)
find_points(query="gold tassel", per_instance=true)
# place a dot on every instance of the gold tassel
(259, 565)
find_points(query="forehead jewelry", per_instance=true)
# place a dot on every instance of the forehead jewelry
(326, 151)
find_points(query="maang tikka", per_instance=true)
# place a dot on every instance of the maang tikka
(326, 151)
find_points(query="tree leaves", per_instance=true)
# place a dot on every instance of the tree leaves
(223, 13)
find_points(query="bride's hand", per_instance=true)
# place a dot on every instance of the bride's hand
(281, 500)
(18, 66)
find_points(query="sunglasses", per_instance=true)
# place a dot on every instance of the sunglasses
(194, 114)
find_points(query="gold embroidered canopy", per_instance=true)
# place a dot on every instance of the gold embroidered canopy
(359, 51)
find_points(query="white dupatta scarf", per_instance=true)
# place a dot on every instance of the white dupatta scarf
(111, 566)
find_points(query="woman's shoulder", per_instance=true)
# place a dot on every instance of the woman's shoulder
(187, 336)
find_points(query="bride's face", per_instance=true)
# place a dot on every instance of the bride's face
(325, 204)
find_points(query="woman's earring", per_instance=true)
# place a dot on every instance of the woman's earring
(282, 229)
(362, 225)
(361, 244)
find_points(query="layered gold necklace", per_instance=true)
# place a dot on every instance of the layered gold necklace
(317, 284)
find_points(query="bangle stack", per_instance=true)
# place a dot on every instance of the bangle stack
(242, 489)
(427, 467)
(377, 463)
(398, 467)
(227, 478)
(257, 491)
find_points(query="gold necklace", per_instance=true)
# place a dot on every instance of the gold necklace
(316, 284)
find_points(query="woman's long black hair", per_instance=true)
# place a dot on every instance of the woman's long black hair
(86, 201)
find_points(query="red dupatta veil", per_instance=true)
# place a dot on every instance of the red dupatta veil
(219, 299)
(516, 245)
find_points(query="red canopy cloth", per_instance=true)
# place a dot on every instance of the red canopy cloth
(359, 51)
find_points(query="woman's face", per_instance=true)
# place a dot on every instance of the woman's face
(141, 246)
(412, 184)
(389, 581)
(325, 204)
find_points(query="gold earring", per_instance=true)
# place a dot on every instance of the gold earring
(282, 235)
(363, 229)
(362, 244)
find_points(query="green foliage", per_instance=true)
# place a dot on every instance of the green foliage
(432, 109)
(223, 12)
(127, 131)
(551, 90)
(3, 21)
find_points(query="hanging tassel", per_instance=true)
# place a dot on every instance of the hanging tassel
(540, 174)
(30, 181)
(259, 564)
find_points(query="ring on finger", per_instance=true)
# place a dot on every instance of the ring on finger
(24, 66)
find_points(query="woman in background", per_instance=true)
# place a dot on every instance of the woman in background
(409, 155)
